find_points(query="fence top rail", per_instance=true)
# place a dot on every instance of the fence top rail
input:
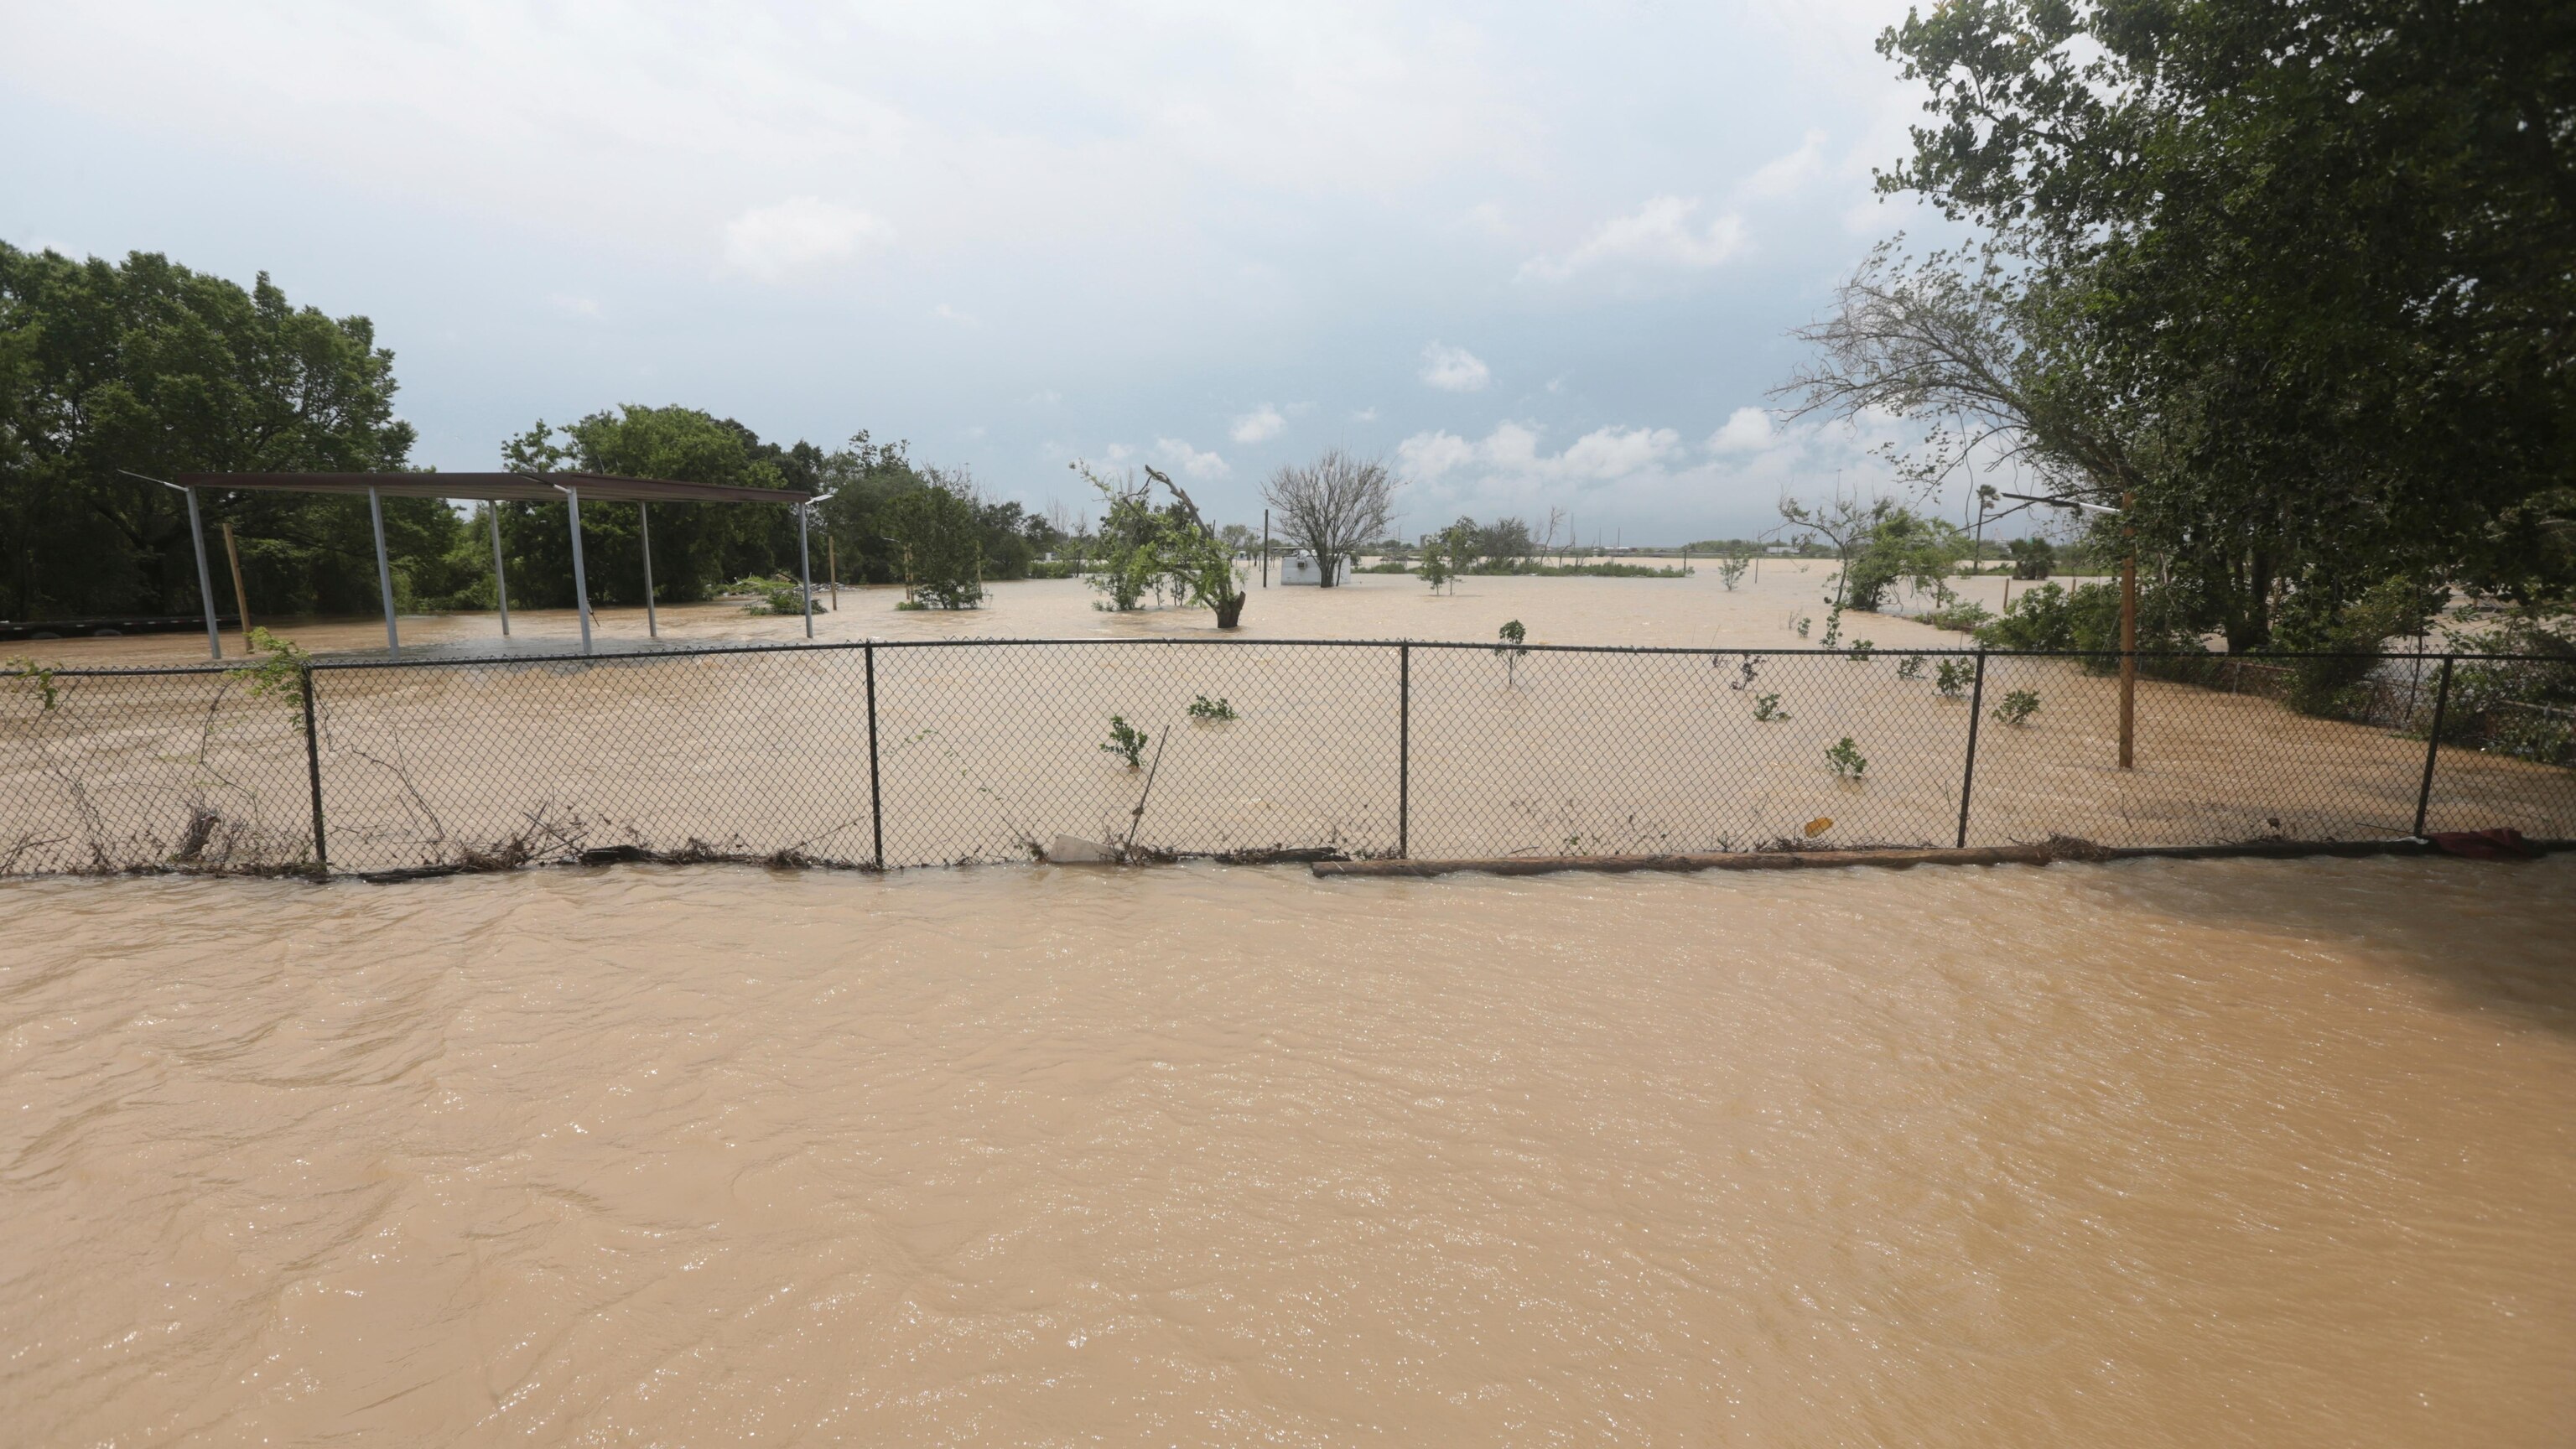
(468, 661)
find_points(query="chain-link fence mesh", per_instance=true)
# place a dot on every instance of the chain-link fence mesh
(921, 753)
(113, 770)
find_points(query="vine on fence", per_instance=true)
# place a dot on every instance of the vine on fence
(36, 679)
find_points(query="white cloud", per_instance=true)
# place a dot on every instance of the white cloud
(1190, 460)
(1662, 232)
(1259, 425)
(1454, 369)
(1747, 430)
(1045, 397)
(573, 306)
(1428, 455)
(1364, 415)
(1785, 174)
(771, 242)
(946, 313)
(1511, 450)
(1610, 453)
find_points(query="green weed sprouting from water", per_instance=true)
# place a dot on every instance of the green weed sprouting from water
(1953, 678)
(1210, 710)
(1862, 649)
(1910, 667)
(2017, 707)
(1847, 761)
(1126, 742)
(1513, 649)
(1767, 710)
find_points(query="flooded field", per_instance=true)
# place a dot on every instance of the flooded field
(1687, 612)
(948, 744)
(2158, 1153)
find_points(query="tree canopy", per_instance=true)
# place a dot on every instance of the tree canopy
(2300, 278)
(148, 367)
(145, 367)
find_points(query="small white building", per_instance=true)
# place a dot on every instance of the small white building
(1299, 568)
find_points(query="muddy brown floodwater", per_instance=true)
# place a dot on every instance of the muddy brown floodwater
(2159, 1153)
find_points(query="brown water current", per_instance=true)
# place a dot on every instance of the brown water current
(2158, 1153)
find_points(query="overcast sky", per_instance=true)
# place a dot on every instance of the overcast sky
(1536, 256)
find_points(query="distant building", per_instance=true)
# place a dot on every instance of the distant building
(1299, 568)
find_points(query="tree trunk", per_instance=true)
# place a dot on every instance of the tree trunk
(1229, 612)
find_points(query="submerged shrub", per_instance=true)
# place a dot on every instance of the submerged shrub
(1846, 760)
(1126, 742)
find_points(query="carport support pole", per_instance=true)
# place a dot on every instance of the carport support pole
(384, 571)
(805, 570)
(500, 580)
(580, 578)
(205, 580)
(644, 523)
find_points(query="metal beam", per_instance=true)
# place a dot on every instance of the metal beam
(205, 581)
(384, 572)
(644, 518)
(580, 579)
(500, 579)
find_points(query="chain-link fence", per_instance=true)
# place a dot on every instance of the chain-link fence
(915, 753)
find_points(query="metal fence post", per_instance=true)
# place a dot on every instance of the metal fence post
(1968, 775)
(2433, 744)
(876, 791)
(1403, 749)
(313, 773)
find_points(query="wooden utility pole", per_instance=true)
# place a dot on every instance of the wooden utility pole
(1265, 548)
(2128, 640)
(241, 600)
(832, 566)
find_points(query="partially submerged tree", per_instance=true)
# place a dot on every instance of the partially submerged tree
(941, 540)
(1332, 506)
(1122, 562)
(1199, 557)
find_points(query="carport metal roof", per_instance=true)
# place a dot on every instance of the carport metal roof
(501, 487)
(496, 488)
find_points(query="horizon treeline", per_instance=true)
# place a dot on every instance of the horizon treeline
(143, 366)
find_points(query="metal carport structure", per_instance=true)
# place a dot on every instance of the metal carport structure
(499, 488)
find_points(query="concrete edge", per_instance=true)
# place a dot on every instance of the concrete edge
(2045, 853)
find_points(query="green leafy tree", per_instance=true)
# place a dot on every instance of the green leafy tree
(2383, 193)
(696, 546)
(940, 538)
(145, 365)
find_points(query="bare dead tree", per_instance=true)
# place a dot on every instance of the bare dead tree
(1332, 506)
